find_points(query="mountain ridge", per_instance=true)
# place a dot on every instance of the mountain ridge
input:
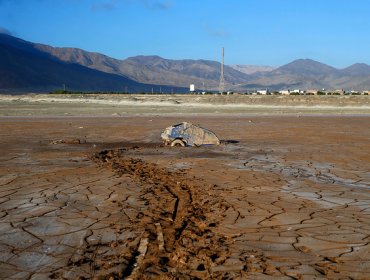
(152, 69)
(302, 73)
(145, 72)
(23, 68)
(252, 69)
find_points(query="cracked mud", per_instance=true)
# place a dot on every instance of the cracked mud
(282, 197)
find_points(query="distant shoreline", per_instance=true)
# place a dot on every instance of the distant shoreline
(138, 104)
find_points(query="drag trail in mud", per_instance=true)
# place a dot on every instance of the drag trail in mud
(178, 221)
(208, 234)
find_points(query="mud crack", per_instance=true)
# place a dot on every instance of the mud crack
(186, 245)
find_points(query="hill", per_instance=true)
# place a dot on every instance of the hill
(24, 67)
(358, 69)
(310, 74)
(28, 66)
(152, 69)
(252, 69)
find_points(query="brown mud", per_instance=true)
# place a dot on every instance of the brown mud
(186, 212)
(280, 198)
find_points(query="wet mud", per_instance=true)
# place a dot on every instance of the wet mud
(104, 199)
(178, 222)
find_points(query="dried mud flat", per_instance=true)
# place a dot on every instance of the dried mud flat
(101, 198)
(180, 104)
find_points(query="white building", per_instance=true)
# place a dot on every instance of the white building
(284, 92)
(192, 88)
(263, 92)
(298, 91)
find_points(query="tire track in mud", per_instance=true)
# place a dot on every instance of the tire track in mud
(178, 222)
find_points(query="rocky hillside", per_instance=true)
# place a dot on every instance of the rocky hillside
(301, 73)
(153, 69)
(25, 67)
(310, 74)
(252, 69)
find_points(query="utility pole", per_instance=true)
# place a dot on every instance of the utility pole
(64, 87)
(222, 77)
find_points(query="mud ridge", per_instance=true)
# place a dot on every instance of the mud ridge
(181, 206)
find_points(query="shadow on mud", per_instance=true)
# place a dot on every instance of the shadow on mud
(229, 141)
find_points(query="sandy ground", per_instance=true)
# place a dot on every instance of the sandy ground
(283, 197)
(211, 105)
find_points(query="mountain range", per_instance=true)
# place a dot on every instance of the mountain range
(27, 66)
(252, 69)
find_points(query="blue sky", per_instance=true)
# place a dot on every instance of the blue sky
(262, 32)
